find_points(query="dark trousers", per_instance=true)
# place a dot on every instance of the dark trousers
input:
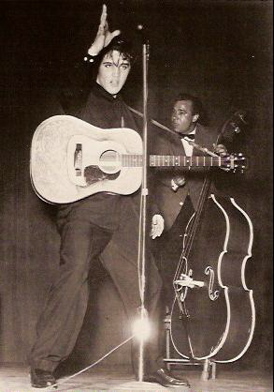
(169, 249)
(81, 242)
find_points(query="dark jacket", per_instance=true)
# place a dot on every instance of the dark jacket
(168, 201)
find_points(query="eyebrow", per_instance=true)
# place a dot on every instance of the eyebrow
(179, 110)
(123, 62)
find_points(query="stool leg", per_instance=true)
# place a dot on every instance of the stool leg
(213, 370)
(167, 328)
(205, 372)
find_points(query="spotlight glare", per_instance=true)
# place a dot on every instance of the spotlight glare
(141, 329)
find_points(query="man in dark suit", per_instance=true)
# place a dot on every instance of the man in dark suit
(177, 192)
(102, 225)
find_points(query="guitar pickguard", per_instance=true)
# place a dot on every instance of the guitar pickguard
(93, 174)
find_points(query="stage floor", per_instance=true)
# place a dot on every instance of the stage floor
(15, 378)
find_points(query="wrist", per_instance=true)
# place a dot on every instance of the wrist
(90, 58)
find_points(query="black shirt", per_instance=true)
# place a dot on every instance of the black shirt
(104, 111)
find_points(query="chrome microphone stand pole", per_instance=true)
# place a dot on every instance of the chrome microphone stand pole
(143, 206)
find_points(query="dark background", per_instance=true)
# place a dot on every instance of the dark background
(218, 50)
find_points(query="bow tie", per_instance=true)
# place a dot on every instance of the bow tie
(189, 136)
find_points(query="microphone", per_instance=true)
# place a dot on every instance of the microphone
(142, 30)
(140, 27)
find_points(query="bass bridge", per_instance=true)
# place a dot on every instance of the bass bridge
(186, 282)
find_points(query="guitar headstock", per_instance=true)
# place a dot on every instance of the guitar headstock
(234, 162)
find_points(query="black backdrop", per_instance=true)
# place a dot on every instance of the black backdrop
(219, 50)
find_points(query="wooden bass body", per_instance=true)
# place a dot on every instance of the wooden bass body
(213, 314)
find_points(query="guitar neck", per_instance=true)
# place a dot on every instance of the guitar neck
(173, 161)
(184, 161)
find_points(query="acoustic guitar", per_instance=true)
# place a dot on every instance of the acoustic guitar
(72, 159)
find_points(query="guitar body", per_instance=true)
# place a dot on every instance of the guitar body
(72, 159)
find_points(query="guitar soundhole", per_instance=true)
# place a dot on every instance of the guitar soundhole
(110, 162)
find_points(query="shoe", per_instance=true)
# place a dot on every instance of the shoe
(165, 378)
(41, 378)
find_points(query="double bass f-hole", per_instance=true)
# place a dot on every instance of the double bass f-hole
(212, 294)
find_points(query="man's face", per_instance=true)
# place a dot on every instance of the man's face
(113, 72)
(183, 120)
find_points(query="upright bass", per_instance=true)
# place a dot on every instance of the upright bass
(213, 313)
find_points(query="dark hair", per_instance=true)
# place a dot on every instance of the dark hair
(197, 105)
(122, 45)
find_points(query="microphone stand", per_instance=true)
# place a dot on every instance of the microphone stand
(164, 128)
(143, 205)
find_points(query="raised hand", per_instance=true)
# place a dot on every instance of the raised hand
(103, 36)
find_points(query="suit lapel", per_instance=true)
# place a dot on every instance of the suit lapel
(177, 147)
(203, 138)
